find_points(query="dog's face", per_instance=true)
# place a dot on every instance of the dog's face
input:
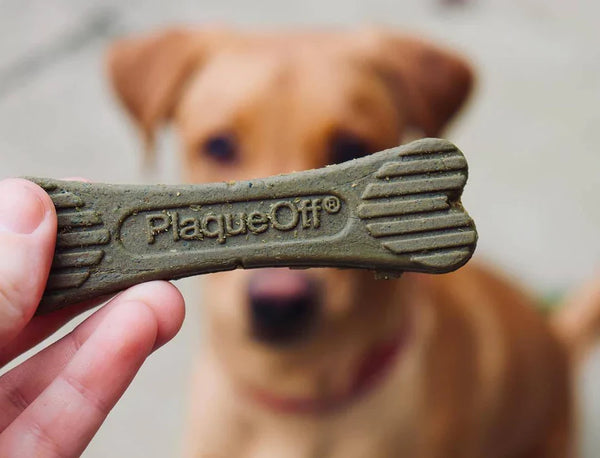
(256, 112)
(254, 105)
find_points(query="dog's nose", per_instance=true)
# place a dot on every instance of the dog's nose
(284, 305)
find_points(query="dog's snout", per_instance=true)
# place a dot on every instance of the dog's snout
(284, 305)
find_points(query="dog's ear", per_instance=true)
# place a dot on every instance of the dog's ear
(430, 83)
(149, 72)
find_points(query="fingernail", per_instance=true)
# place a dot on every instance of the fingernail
(21, 208)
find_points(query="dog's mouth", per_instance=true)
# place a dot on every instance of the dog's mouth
(373, 368)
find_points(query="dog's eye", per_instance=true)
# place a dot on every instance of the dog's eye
(345, 146)
(222, 148)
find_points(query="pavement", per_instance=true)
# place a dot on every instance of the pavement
(528, 132)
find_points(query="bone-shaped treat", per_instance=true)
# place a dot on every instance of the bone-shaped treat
(393, 211)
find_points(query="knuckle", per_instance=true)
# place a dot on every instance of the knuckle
(14, 397)
(45, 442)
(88, 395)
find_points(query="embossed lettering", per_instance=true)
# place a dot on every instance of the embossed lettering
(190, 229)
(310, 213)
(257, 222)
(278, 220)
(241, 225)
(156, 223)
(218, 224)
(332, 204)
(175, 224)
(284, 215)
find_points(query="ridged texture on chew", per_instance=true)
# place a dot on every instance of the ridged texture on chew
(413, 208)
(81, 235)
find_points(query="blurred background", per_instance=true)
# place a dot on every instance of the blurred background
(528, 132)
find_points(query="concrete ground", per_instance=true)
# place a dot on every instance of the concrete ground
(529, 134)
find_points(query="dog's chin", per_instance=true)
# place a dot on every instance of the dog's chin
(372, 368)
(282, 340)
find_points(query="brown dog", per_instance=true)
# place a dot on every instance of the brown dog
(325, 362)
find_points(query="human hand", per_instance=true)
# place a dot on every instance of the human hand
(53, 403)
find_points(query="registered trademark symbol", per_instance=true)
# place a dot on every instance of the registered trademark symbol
(332, 204)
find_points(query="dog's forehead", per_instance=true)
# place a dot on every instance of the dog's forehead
(310, 41)
(273, 54)
(276, 60)
(252, 80)
(253, 72)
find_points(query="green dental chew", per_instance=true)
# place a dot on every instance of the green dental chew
(394, 211)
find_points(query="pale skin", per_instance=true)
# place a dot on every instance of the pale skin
(53, 403)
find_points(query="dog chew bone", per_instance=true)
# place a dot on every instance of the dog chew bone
(393, 211)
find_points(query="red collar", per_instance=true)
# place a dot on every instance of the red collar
(376, 364)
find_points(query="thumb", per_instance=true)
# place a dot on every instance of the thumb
(27, 238)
